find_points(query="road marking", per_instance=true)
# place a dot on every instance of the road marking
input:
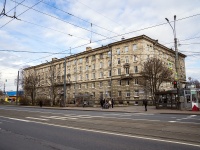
(172, 121)
(37, 118)
(16, 119)
(58, 117)
(105, 132)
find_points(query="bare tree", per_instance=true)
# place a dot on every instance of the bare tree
(54, 82)
(29, 84)
(195, 82)
(153, 74)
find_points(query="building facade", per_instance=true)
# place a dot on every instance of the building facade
(110, 71)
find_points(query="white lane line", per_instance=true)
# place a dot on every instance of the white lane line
(58, 117)
(109, 133)
(37, 118)
(16, 119)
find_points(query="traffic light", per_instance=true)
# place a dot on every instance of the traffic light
(175, 84)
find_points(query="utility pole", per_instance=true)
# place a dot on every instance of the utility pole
(176, 58)
(17, 87)
(65, 98)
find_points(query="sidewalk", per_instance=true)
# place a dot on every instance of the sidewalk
(126, 109)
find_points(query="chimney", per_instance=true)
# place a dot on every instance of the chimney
(122, 38)
(88, 48)
(54, 58)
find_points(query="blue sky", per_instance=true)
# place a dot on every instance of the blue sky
(56, 25)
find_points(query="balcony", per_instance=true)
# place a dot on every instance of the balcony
(126, 76)
(62, 83)
(126, 65)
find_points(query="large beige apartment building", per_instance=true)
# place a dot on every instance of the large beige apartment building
(109, 71)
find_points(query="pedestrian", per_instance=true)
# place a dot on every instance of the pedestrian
(104, 102)
(40, 103)
(112, 102)
(145, 104)
(101, 102)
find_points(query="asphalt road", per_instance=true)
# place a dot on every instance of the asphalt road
(46, 129)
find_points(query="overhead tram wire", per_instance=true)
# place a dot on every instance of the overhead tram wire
(80, 18)
(54, 30)
(21, 13)
(12, 9)
(107, 38)
(66, 21)
(100, 14)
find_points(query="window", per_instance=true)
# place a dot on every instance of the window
(127, 70)
(118, 51)
(80, 68)
(93, 66)
(93, 85)
(74, 69)
(80, 60)
(101, 56)
(100, 84)
(135, 69)
(80, 77)
(93, 75)
(118, 61)
(134, 58)
(134, 47)
(93, 94)
(86, 59)
(119, 93)
(109, 63)
(136, 81)
(86, 85)
(68, 63)
(86, 67)
(119, 71)
(75, 62)
(127, 82)
(93, 57)
(101, 74)
(87, 77)
(79, 86)
(128, 94)
(109, 83)
(109, 54)
(126, 49)
(108, 93)
(101, 64)
(109, 73)
(136, 92)
(119, 82)
(126, 59)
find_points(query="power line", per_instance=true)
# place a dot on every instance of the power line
(11, 9)
(20, 14)
(99, 13)
(63, 20)
(53, 30)
(79, 18)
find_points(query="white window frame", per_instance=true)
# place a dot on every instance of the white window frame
(134, 47)
(126, 49)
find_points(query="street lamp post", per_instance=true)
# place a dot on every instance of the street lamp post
(176, 54)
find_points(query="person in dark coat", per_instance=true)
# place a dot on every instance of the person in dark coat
(112, 102)
(145, 104)
(40, 103)
(101, 102)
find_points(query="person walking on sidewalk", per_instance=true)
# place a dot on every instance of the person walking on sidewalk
(145, 104)
(112, 102)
